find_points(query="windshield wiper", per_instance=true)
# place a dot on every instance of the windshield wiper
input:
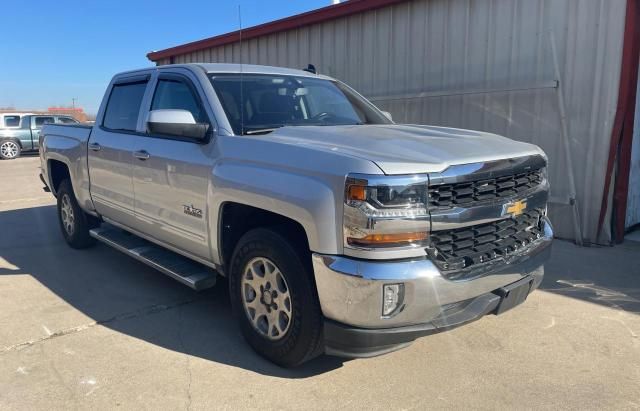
(261, 130)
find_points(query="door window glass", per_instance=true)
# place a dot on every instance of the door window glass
(67, 120)
(124, 106)
(177, 95)
(11, 121)
(39, 121)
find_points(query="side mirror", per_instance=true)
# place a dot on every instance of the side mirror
(387, 115)
(178, 123)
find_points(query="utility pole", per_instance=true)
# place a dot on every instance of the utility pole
(73, 102)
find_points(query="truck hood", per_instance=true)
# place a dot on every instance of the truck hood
(406, 149)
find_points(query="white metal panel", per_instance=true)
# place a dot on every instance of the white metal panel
(479, 64)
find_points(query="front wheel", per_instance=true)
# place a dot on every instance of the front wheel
(274, 298)
(74, 222)
(9, 149)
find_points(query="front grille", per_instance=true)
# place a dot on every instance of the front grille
(466, 194)
(455, 250)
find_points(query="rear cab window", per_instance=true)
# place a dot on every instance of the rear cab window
(123, 107)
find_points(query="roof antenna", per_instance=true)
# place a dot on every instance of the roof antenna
(241, 75)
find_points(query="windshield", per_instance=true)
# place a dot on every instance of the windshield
(273, 101)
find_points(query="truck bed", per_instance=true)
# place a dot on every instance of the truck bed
(78, 132)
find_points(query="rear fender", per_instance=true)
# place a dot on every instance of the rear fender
(73, 154)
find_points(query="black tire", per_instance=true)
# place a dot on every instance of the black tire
(75, 230)
(303, 339)
(9, 149)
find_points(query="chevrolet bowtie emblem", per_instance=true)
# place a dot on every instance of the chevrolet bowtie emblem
(516, 208)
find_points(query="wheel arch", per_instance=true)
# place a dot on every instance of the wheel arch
(236, 219)
(58, 171)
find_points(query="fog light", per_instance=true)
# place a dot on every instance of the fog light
(392, 298)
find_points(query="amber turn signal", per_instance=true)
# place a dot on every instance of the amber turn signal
(388, 239)
(357, 193)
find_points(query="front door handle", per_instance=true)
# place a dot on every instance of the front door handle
(95, 147)
(141, 155)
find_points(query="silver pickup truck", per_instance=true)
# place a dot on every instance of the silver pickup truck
(338, 231)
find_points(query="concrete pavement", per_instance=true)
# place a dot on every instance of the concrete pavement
(94, 329)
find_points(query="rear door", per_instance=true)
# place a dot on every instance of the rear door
(171, 174)
(110, 148)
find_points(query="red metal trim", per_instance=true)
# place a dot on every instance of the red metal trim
(622, 133)
(288, 23)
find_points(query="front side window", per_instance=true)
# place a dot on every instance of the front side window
(256, 103)
(40, 121)
(67, 120)
(11, 121)
(123, 106)
(177, 95)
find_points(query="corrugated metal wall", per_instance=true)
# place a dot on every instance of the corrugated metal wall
(479, 64)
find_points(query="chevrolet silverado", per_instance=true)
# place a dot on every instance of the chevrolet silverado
(338, 231)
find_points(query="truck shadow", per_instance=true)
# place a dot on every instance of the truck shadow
(126, 296)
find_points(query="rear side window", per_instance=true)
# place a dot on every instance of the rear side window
(39, 121)
(177, 95)
(124, 106)
(11, 121)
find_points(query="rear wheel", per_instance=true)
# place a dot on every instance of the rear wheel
(74, 222)
(9, 149)
(274, 298)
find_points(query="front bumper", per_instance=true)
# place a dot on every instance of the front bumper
(350, 293)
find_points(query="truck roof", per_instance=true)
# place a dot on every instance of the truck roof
(253, 69)
(238, 68)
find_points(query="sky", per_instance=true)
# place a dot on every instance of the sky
(54, 51)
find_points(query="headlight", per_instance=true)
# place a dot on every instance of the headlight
(385, 211)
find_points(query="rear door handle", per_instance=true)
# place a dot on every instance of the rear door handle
(141, 155)
(95, 147)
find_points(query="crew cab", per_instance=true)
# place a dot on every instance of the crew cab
(337, 230)
(25, 137)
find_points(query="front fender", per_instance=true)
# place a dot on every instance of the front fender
(307, 199)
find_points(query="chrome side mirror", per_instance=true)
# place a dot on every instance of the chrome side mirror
(178, 123)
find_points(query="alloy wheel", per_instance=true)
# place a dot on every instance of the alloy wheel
(266, 298)
(67, 215)
(9, 149)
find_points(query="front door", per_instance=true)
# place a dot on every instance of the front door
(36, 126)
(110, 148)
(171, 175)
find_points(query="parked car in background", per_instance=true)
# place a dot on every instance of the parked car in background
(11, 120)
(339, 231)
(15, 140)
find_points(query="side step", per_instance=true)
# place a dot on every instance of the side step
(176, 266)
